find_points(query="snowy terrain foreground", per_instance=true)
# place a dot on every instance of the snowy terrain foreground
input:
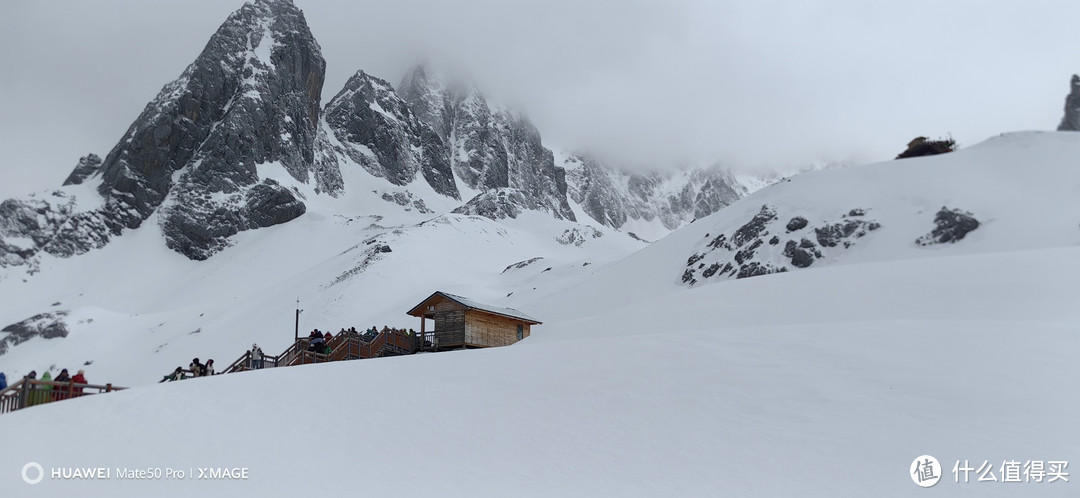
(904, 359)
(826, 381)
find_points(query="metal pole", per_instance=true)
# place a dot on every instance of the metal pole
(296, 335)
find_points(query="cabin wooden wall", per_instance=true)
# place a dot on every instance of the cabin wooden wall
(484, 329)
(450, 327)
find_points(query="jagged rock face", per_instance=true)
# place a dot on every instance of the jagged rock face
(578, 236)
(379, 131)
(950, 226)
(754, 248)
(498, 204)
(1071, 120)
(88, 165)
(613, 197)
(53, 224)
(489, 148)
(429, 99)
(406, 200)
(45, 325)
(251, 97)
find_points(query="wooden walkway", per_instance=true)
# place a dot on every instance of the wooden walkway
(345, 345)
(26, 393)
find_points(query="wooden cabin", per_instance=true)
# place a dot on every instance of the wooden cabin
(460, 322)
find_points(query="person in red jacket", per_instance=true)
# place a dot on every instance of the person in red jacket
(79, 378)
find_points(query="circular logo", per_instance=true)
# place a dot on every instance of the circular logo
(925, 471)
(26, 473)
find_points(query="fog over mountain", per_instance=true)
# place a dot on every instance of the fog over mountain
(757, 86)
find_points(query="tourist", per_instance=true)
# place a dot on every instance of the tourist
(256, 357)
(176, 375)
(79, 378)
(196, 368)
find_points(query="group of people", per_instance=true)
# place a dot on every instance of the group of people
(195, 369)
(50, 389)
(319, 342)
(372, 332)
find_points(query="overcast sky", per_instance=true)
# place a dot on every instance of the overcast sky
(755, 84)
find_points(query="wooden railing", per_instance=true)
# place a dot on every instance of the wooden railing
(346, 345)
(27, 392)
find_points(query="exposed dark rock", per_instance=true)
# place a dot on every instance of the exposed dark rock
(380, 133)
(45, 325)
(369, 256)
(834, 234)
(950, 225)
(800, 257)
(747, 252)
(754, 227)
(1071, 120)
(250, 98)
(522, 264)
(88, 165)
(612, 197)
(497, 204)
(489, 148)
(742, 256)
(755, 269)
(406, 200)
(719, 241)
(578, 236)
(922, 146)
(51, 224)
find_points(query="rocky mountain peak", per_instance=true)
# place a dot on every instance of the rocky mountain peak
(614, 196)
(1071, 120)
(490, 148)
(379, 131)
(251, 97)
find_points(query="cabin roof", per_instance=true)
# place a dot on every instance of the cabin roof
(418, 310)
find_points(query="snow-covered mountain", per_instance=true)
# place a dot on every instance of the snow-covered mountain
(896, 309)
(250, 98)
(195, 158)
(493, 151)
(650, 204)
(638, 383)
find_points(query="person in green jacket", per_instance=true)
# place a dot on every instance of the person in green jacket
(44, 393)
(177, 374)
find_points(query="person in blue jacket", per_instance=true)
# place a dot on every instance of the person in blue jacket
(3, 381)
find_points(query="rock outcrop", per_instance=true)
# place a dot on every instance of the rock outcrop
(613, 197)
(490, 147)
(1071, 120)
(765, 244)
(950, 226)
(379, 132)
(252, 97)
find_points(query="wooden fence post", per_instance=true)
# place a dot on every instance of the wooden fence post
(25, 392)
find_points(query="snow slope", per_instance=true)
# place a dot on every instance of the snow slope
(137, 310)
(634, 402)
(822, 381)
